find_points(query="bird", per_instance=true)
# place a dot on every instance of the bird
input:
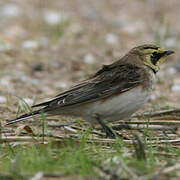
(113, 93)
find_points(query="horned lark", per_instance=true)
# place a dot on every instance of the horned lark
(113, 93)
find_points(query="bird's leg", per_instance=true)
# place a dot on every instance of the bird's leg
(109, 132)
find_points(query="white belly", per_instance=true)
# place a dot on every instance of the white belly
(118, 107)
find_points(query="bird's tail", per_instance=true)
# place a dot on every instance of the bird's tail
(24, 117)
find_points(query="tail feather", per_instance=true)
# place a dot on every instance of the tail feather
(24, 117)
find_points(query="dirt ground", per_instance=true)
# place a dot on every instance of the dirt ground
(47, 46)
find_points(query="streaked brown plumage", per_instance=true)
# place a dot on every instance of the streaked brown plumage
(129, 79)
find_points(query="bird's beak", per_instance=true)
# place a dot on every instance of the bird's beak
(163, 57)
(169, 52)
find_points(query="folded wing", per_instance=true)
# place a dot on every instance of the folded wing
(109, 80)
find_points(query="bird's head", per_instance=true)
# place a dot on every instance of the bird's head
(151, 55)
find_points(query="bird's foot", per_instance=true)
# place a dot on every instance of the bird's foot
(109, 131)
(113, 135)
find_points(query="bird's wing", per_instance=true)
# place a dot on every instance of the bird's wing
(106, 82)
(110, 80)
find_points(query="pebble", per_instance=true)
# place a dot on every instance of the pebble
(38, 66)
(11, 10)
(30, 44)
(53, 17)
(5, 81)
(172, 71)
(38, 176)
(176, 88)
(155, 95)
(62, 85)
(111, 39)
(29, 80)
(170, 42)
(2, 99)
(89, 58)
(116, 160)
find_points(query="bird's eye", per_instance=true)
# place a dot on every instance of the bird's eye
(155, 53)
(150, 47)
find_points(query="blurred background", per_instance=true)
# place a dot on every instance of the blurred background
(47, 46)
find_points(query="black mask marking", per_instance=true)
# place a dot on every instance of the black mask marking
(156, 56)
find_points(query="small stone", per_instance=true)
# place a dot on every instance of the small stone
(112, 39)
(176, 88)
(62, 85)
(2, 99)
(24, 78)
(30, 44)
(53, 17)
(153, 98)
(172, 71)
(116, 160)
(38, 176)
(155, 95)
(38, 66)
(171, 42)
(89, 58)
(11, 10)
(6, 81)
